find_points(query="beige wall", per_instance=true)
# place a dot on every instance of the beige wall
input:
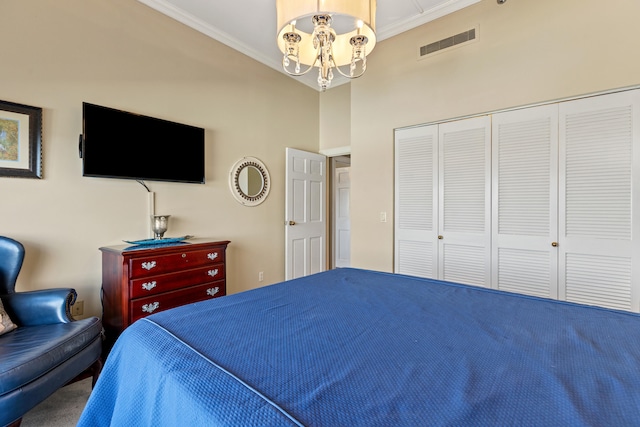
(122, 54)
(335, 120)
(528, 51)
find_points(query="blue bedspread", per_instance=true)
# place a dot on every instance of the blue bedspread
(350, 348)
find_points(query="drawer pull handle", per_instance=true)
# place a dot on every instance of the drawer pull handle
(213, 273)
(212, 255)
(148, 265)
(148, 286)
(150, 308)
(213, 291)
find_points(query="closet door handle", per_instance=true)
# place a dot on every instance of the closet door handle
(554, 244)
(440, 237)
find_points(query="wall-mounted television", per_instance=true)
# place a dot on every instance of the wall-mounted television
(120, 144)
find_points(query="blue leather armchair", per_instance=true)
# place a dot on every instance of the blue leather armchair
(48, 349)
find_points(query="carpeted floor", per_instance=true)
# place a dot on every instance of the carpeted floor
(61, 409)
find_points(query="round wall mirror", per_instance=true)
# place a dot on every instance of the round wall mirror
(249, 181)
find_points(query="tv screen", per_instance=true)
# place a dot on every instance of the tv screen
(119, 144)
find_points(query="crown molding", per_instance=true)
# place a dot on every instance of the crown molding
(201, 26)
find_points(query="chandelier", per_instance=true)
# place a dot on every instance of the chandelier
(327, 34)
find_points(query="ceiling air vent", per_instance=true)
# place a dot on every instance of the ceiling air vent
(449, 42)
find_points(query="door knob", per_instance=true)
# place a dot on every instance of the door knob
(554, 244)
(440, 237)
(292, 223)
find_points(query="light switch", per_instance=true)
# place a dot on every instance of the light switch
(383, 217)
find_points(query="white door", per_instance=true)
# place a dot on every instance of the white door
(342, 216)
(525, 201)
(305, 229)
(464, 254)
(416, 201)
(599, 160)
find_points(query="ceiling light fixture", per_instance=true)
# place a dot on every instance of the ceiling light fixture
(327, 34)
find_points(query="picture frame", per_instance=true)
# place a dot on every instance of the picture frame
(20, 140)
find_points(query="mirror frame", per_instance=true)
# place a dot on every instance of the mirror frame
(234, 184)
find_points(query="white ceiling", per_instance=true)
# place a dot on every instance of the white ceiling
(249, 26)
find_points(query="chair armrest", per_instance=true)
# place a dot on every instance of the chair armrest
(43, 307)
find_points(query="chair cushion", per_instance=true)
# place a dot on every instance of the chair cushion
(6, 325)
(31, 351)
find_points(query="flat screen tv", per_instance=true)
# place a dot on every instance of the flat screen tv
(119, 144)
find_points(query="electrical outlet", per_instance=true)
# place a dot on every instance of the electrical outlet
(260, 276)
(77, 309)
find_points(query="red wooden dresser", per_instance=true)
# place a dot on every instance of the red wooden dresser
(138, 281)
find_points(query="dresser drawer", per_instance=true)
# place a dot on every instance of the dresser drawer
(152, 285)
(152, 265)
(143, 307)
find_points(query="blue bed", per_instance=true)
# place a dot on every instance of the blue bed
(352, 348)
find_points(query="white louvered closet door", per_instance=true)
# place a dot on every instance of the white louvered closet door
(416, 174)
(599, 152)
(525, 201)
(465, 201)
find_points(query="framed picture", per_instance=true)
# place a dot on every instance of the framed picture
(20, 140)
